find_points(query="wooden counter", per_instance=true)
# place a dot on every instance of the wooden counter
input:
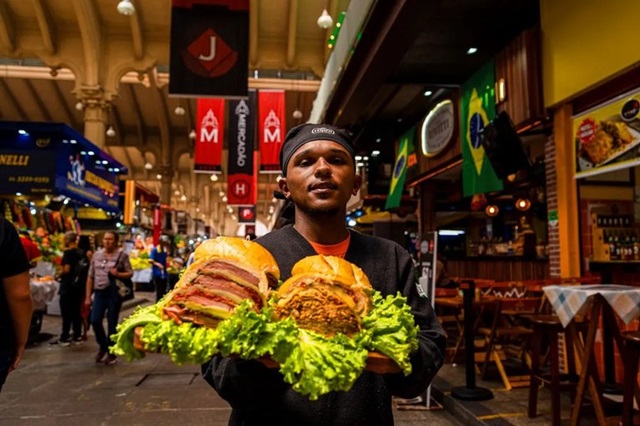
(499, 268)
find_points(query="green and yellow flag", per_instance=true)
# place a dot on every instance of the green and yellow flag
(477, 109)
(400, 170)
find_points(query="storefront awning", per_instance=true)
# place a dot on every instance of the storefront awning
(53, 158)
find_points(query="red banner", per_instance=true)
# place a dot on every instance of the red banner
(209, 135)
(242, 189)
(271, 128)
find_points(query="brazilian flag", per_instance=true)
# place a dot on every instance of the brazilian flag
(400, 170)
(477, 109)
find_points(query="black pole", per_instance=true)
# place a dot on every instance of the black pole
(469, 392)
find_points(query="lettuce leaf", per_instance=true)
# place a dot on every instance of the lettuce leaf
(124, 332)
(389, 328)
(250, 335)
(319, 365)
(185, 343)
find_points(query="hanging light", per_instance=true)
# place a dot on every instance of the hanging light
(325, 21)
(183, 198)
(297, 114)
(148, 165)
(492, 210)
(192, 134)
(158, 176)
(79, 106)
(214, 178)
(126, 8)
(523, 204)
(111, 132)
(179, 110)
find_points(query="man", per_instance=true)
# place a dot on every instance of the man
(106, 264)
(318, 165)
(158, 259)
(15, 300)
(72, 281)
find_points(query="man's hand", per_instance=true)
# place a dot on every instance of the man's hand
(114, 272)
(19, 349)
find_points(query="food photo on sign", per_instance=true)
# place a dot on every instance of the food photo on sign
(607, 137)
(322, 328)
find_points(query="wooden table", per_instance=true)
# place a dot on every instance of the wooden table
(605, 300)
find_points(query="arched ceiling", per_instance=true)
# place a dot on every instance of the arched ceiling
(53, 52)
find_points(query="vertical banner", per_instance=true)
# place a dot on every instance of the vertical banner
(271, 128)
(478, 107)
(400, 169)
(209, 136)
(241, 188)
(209, 48)
(157, 224)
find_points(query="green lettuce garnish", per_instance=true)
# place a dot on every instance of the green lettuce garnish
(313, 364)
(141, 317)
(389, 328)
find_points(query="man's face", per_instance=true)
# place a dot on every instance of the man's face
(108, 241)
(321, 178)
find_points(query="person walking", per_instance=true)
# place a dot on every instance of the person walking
(319, 176)
(106, 265)
(158, 257)
(72, 282)
(16, 306)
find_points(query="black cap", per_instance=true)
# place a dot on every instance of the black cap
(299, 135)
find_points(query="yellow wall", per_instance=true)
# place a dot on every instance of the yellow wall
(584, 42)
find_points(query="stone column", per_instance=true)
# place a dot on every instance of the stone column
(166, 171)
(96, 113)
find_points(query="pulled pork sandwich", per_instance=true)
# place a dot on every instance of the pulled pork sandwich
(226, 272)
(325, 294)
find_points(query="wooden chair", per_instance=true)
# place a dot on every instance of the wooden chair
(507, 336)
(630, 391)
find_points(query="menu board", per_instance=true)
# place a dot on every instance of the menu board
(607, 137)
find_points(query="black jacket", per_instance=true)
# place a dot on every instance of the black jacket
(258, 395)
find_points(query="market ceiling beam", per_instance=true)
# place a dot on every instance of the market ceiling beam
(71, 120)
(47, 26)
(37, 98)
(91, 37)
(292, 33)
(140, 125)
(15, 104)
(136, 35)
(7, 28)
(253, 33)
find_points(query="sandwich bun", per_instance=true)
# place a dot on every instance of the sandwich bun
(336, 268)
(242, 253)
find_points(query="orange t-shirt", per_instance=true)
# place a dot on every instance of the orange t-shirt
(339, 249)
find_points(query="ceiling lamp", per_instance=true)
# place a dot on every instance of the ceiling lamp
(126, 8)
(325, 21)
(492, 210)
(523, 204)
(110, 132)
(214, 178)
(148, 165)
(179, 110)
(176, 192)
(158, 176)
(297, 114)
(79, 106)
(183, 198)
(192, 134)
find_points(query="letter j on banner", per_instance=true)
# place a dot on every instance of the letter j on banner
(209, 136)
(271, 128)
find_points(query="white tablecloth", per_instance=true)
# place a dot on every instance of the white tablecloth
(568, 301)
(43, 292)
